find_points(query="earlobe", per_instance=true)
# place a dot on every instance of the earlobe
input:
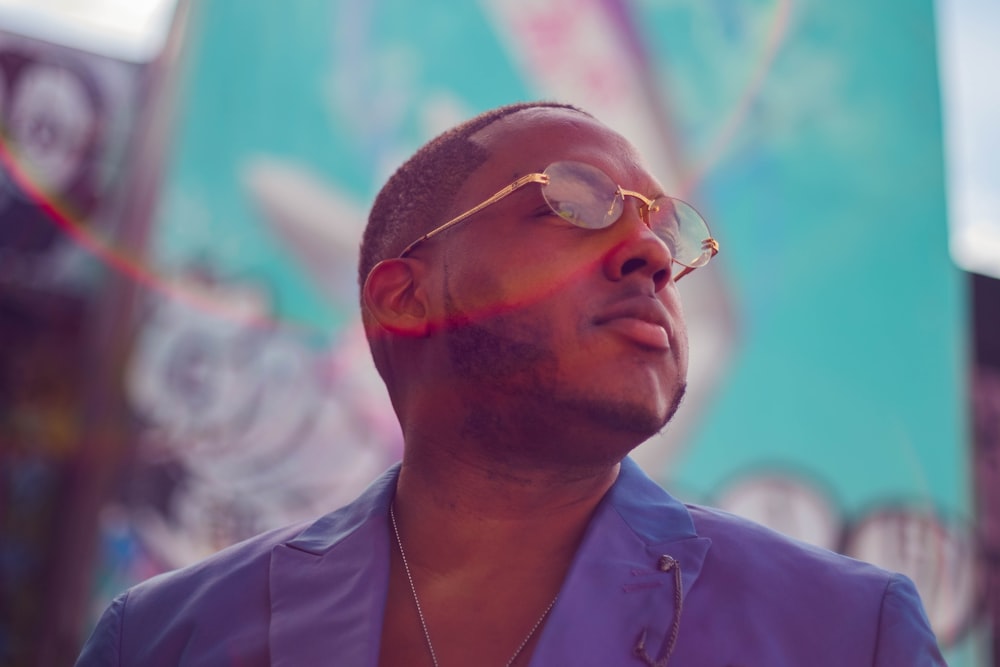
(394, 296)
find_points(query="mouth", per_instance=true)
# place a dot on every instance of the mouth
(642, 320)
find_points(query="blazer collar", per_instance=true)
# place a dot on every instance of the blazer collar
(328, 585)
(615, 591)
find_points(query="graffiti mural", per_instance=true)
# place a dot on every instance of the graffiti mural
(824, 396)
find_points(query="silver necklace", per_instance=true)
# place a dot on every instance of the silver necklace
(420, 612)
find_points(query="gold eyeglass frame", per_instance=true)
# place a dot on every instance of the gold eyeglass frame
(647, 205)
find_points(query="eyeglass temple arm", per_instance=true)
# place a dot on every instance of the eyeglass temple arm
(519, 183)
(711, 245)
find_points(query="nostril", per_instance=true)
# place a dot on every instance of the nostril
(633, 264)
(661, 277)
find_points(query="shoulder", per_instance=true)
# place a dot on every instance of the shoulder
(240, 573)
(204, 610)
(159, 620)
(759, 551)
(829, 599)
(233, 572)
(217, 611)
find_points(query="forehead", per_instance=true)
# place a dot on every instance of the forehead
(531, 139)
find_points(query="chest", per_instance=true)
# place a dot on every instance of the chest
(462, 622)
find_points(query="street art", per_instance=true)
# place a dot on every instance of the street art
(824, 396)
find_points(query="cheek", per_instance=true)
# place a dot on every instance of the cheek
(484, 287)
(682, 348)
(470, 288)
(671, 300)
(494, 303)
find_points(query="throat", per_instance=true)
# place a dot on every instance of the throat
(473, 615)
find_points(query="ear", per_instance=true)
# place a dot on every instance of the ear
(395, 297)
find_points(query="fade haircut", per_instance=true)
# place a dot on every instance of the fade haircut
(415, 198)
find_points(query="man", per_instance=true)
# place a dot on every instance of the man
(519, 295)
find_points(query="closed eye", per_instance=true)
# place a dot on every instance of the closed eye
(542, 211)
(554, 218)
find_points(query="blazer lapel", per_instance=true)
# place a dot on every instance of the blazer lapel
(328, 585)
(617, 589)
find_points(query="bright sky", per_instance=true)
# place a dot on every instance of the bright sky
(969, 55)
(132, 30)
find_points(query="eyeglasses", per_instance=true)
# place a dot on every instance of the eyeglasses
(587, 197)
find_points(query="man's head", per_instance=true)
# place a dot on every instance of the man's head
(414, 199)
(524, 322)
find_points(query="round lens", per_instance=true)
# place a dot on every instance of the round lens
(683, 230)
(582, 194)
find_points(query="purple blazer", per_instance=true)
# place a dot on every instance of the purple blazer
(315, 595)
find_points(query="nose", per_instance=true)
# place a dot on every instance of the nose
(638, 253)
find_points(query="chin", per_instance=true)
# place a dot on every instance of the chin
(640, 420)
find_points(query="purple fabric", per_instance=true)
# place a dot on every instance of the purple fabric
(752, 598)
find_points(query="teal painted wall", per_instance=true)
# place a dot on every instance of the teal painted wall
(809, 132)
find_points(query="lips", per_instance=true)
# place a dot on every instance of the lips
(641, 319)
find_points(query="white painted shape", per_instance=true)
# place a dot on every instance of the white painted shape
(132, 30)
(969, 55)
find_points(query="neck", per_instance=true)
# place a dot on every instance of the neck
(454, 511)
(475, 532)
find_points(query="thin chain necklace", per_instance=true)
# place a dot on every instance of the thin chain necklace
(420, 612)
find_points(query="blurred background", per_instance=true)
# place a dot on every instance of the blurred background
(183, 186)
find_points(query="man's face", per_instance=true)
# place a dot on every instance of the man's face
(560, 329)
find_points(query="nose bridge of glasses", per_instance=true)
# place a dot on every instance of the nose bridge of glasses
(685, 221)
(644, 207)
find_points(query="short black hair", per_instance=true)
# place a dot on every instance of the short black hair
(416, 196)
